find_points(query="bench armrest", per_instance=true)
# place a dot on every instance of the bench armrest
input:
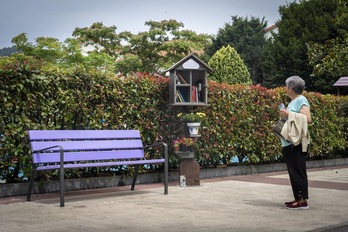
(47, 148)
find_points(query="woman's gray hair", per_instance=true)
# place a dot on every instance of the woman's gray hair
(296, 83)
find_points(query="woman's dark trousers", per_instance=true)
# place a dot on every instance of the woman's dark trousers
(296, 164)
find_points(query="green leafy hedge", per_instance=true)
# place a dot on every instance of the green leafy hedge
(237, 128)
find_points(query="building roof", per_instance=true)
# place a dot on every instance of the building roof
(343, 81)
(186, 58)
(270, 28)
(268, 32)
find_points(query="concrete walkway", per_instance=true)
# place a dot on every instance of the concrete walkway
(236, 203)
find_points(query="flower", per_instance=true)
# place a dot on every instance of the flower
(192, 117)
(176, 143)
(186, 141)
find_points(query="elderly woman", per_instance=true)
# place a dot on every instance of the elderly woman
(295, 153)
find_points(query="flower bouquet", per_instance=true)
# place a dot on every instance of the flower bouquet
(183, 144)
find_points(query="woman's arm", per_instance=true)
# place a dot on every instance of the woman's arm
(305, 110)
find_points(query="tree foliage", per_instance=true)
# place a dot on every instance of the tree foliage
(229, 67)
(247, 37)
(46, 48)
(149, 51)
(54, 54)
(100, 47)
(329, 58)
(286, 54)
(7, 51)
(101, 38)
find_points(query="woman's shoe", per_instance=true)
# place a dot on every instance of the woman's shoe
(290, 202)
(298, 205)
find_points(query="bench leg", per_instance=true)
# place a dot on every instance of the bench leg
(165, 169)
(61, 173)
(166, 178)
(62, 187)
(31, 183)
(135, 176)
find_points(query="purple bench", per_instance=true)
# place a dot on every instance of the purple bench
(63, 149)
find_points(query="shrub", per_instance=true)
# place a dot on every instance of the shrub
(237, 123)
(229, 67)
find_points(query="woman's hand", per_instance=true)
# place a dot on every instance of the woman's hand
(284, 113)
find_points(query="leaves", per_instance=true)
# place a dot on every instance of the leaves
(246, 35)
(229, 67)
(149, 51)
(237, 120)
(303, 42)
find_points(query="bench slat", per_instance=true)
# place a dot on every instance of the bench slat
(88, 145)
(82, 134)
(85, 165)
(87, 156)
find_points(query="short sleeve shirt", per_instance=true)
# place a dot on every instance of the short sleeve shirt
(295, 106)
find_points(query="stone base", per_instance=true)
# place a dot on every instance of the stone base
(191, 170)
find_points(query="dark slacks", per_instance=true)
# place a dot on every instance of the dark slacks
(296, 164)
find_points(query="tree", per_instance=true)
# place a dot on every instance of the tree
(46, 48)
(329, 59)
(7, 51)
(247, 37)
(301, 23)
(52, 53)
(229, 67)
(150, 51)
(103, 39)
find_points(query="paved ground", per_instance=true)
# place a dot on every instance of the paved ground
(236, 203)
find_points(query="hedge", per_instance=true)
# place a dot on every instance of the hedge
(236, 132)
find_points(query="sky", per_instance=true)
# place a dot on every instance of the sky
(59, 18)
